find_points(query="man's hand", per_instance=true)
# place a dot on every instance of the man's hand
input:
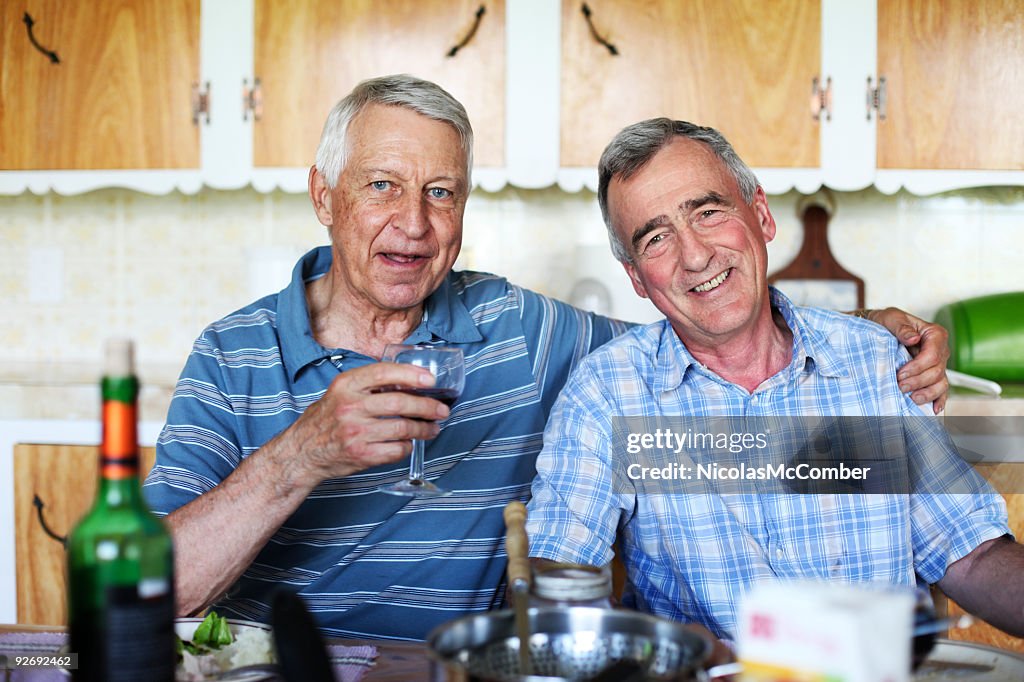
(927, 342)
(363, 420)
(720, 651)
(343, 432)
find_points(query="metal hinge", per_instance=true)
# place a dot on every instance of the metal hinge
(252, 100)
(821, 99)
(876, 98)
(200, 103)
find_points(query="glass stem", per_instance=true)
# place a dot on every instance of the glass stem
(416, 461)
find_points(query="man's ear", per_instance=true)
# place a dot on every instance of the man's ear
(638, 286)
(764, 215)
(320, 195)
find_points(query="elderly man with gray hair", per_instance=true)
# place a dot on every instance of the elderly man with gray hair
(284, 424)
(690, 224)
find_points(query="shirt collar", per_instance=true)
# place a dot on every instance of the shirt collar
(445, 317)
(811, 349)
(672, 359)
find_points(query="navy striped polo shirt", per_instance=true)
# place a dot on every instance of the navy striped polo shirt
(370, 564)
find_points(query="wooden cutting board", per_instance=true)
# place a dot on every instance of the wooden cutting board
(814, 263)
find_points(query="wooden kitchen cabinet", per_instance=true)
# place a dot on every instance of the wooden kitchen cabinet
(64, 478)
(310, 53)
(545, 97)
(739, 66)
(954, 84)
(98, 85)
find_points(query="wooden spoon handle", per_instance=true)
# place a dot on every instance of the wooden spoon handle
(517, 546)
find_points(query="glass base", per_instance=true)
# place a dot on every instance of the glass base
(415, 488)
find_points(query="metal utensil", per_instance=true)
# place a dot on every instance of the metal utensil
(517, 547)
(942, 624)
(257, 672)
(300, 649)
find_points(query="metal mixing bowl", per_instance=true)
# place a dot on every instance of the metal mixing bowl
(566, 643)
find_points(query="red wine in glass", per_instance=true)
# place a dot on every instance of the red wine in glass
(448, 396)
(448, 367)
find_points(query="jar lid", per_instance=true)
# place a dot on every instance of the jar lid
(572, 582)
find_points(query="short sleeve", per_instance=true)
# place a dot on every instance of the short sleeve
(196, 449)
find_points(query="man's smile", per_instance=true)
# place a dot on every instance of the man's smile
(712, 283)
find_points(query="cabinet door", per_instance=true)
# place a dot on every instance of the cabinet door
(742, 66)
(63, 478)
(310, 53)
(119, 96)
(1008, 479)
(954, 84)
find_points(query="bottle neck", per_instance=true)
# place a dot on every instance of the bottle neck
(119, 449)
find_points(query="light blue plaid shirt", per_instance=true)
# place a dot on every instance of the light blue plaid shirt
(691, 557)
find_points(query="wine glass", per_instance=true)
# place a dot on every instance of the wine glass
(447, 366)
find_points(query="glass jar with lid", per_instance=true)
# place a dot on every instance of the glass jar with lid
(562, 584)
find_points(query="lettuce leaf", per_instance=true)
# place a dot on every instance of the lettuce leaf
(212, 634)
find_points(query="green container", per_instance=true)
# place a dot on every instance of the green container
(986, 335)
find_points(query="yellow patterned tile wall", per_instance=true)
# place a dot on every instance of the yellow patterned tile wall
(160, 268)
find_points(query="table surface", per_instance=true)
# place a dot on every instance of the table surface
(396, 661)
(409, 661)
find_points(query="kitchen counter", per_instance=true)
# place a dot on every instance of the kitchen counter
(964, 402)
(70, 390)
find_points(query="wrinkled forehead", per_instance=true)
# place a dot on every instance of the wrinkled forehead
(675, 174)
(396, 131)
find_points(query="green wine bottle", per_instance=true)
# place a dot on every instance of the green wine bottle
(120, 561)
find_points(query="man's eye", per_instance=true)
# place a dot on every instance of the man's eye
(711, 217)
(380, 185)
(652, 244)
(439, 192)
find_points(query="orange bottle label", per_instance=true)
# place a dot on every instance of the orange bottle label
(120, 448)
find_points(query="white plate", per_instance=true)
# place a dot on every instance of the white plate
(954, 660)
(186, 627)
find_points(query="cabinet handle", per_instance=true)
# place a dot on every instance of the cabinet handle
(29, 23)
(593, 31)
(876, 98)
(469, 35)
(200, 103)
(252, 100)
(821, 99)
(38, 503)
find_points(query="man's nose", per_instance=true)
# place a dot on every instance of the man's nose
(694, 252)
(412, 216)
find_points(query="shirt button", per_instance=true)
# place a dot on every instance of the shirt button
(779, 553)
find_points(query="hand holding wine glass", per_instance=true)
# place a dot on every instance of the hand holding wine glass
(447, 366)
